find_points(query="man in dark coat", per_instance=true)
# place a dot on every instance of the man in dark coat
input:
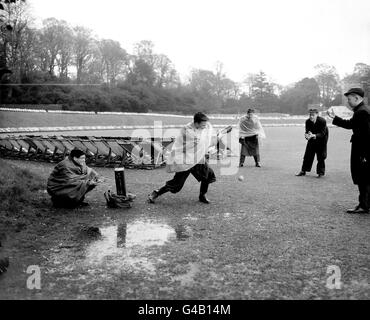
(317, 134)
(360, 151)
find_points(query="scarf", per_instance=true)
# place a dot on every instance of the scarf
(250, 127)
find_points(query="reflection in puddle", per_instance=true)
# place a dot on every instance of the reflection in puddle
(139, 233)
(121, 235)
(147, 234)
(120, 243)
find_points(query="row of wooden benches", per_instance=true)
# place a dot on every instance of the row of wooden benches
(100, 151)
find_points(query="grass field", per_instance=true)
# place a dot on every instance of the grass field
(271, 236)
(21, 119)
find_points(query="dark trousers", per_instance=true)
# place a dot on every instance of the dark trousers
(311, 149)
(62, 202)
(249, 147)
(256, 158)
(202, 172)
(364, 197)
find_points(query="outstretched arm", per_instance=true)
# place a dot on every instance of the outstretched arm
(346, 124)
(337, 121)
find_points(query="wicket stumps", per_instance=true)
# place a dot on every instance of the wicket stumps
(119, 174)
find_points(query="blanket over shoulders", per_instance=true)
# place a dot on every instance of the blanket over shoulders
(250, 127)
(70, 181)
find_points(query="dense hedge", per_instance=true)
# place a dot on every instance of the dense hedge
(102, 98)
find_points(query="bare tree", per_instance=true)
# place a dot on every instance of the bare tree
(114, 60)
(56, 46)
(328, 81)
(144, 51)
(14, 19)
(83, 50)
(64, 57)
(165, 72)
(249, 82)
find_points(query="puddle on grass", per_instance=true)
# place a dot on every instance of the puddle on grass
(123, 247)
(116, 238)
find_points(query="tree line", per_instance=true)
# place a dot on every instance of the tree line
(68, 65)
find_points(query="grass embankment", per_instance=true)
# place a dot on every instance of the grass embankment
(20, 191)
(10, 119)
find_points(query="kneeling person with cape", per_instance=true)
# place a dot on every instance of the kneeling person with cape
(189, 156)
(71, 180)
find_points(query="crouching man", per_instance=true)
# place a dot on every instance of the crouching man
(317, 135)
(71, 180)
(188, 156)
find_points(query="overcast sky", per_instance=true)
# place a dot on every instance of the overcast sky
(284, 38)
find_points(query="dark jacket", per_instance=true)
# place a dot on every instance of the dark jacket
(320, 129)
(360, 125)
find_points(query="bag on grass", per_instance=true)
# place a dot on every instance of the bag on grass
(118, 201)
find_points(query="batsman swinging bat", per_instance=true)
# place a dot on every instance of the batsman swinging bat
(221, 133)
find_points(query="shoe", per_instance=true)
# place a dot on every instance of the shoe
(258, 165)
(241, 165)
(320, 175)
(152, 196)
(358, 209)
(203, 199)
(4, 264)
(300, 174)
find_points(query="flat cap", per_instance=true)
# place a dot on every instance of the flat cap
(313, 110)
(358, 91)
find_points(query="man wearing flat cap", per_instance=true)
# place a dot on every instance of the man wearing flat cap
(316, 134)
(360, 151)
